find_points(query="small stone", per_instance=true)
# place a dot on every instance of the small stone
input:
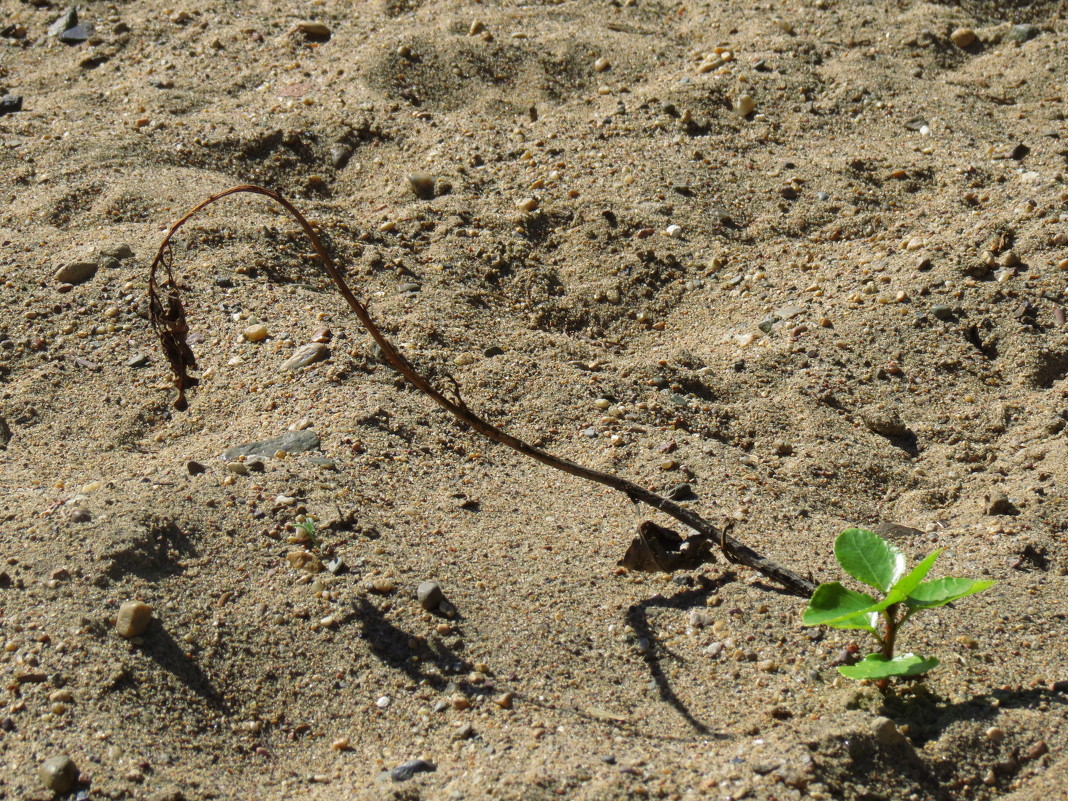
(883, 420)
(744, 105)
(133, 619)
(528, 204)
(674, 231)
(406, 770)
(430, 595)
(76, 272)
(942, 313)
(315, 29)
(465, 732)
(681, 492)
(422, 185)
(409, 287)
(290, 442)
(504, 701)
(336, 566)
(195, 468)
(990, 778)
(477, 27)
(601, 65)
(1035, 751)
(782, 448)
(9, 104)
(137, 361)
(76, 34)
(997, 503)
(304, 561)
(305, 355)
(65, 22)
(963, 38)
(58, 774)
(886, 732)
(492, 351)
(383, 702)
(237, 468)
(767, 666)
(341, 744)
(340, 155)
(255, 333)
(995, 734)
(1022, 33)
(383, 586)
(464, 359)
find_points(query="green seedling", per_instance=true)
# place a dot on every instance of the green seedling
(307, 525)
(870, 559)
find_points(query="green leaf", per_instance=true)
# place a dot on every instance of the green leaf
(910, 581)
(877, 666)
(943, 591)
(869, 558)
(832, 604)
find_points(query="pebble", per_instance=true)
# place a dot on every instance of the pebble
(1035, 751)
(406, 770)
(382, 585)
(430, 595)
(305, 355)
(255, 333)
(195, 468)
(340, 155)
(997, 503)
(341, 744)
(477, 27)
(133, 619)
(383, 702)
(465, 359)
(422, 185)
(886, 732)
(289, 442)
(305, 561)
(528, 205)
(1022, 33)
(601, 65)
(314, 28)
(767, 665)
(963, 38)
(504, 701)
(994, 734)
(64, 22)
(137, 361)
(409, 287)
(942, 313)
(58, 774)
(682, 492)
(9, 104)
(674, 231)
(76, 272)
(465, 732)
(237, 468)
(883, 420)
(744, 105)
(76, 35)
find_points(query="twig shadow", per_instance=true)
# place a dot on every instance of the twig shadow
(638, 620)
(168, 654)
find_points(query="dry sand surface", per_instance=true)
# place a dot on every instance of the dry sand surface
(809, 258)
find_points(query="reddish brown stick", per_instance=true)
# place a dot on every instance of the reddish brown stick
(170, 324)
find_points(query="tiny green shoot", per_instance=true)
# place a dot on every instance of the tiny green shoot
(870, 559)
(307, 525)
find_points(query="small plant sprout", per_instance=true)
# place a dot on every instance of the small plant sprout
(305, 530)
(870, 559)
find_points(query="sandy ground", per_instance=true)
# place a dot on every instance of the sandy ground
(845, 307)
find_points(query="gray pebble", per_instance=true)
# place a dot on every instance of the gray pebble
(140, 360)
(1022, 33)
(65, 22)
(118, 251)
(306, 354)
(290, 442)
(340, 155)
(76, 272)
(58, 774)
(406, 770)
(465, 732)
(76, 35)
(942, 312)
(430, 595)
(325, 462)
(9, 104)
(409, 287)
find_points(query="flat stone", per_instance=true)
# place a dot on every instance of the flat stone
(76, 272)
(76, 34)
(306, 354)
(65, 22)
(9, 104)
(325, 462)
(1022, 33)
(58, 774)
(140, 360)
(406, 770)
(133, 619)
(118, 251)
(290, 442)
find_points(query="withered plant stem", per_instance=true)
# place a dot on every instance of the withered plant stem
(168, 319)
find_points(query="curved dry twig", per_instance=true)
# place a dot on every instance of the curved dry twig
(168, 319)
